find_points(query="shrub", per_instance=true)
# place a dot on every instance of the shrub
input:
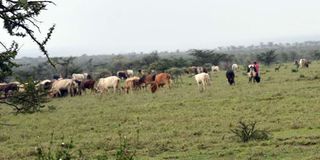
(294, 70)
(123, 152)
(30, 100)
(61, 151)
(247, 132)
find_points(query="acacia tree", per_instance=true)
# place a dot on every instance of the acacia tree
(19, 19)
(267, 57)
(207, 56)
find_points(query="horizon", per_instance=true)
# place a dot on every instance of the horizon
(119, 27)
(39, 54)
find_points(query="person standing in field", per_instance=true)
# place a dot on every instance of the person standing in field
(256, 66)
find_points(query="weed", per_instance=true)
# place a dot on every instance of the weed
(247, 132)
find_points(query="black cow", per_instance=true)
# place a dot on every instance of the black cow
(122, 74)
(230, 76)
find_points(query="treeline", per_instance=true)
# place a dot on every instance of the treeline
(38, 68)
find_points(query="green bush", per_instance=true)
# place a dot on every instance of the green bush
(247, 132)
(30, 100)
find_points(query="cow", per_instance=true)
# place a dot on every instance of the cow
(202, 80)
(87, 84)
(122, 74)
(131, 83)
(146, 80)
(235, 67)
(79, 77)
(304, 63)
(230, 76)
(45, 84)
(8, 88)
(215, 68)
(252, 73)
(161, 80)
(105, 83)
(130, 73)
(62, 85)
(76, 89)
(199, 70)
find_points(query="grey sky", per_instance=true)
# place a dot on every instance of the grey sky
(118, 26)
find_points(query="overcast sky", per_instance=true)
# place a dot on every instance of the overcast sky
(119, 26)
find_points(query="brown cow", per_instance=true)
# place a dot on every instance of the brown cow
(145, 80)
(161, 80)
(87, 84)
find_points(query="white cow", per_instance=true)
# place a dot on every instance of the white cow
(215, 68)
(202, 80)
(63, 84)
(110, 82)
(235, 67)
(130, 72)
(304, 63)
(79, 77)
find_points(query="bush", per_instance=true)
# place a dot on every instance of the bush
(61, 151)
(30, 100)
(294, 70)
(247, 132)
(123, 152)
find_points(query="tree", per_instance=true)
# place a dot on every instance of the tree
(293, 55)
(151, 58)
(6, 60)
(267, 57)
(19, 19)
(315, 55)
(67, 65)
(207, 56)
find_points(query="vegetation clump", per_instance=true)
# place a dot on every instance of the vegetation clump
(247, 131)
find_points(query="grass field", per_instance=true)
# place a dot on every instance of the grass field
(181, 123)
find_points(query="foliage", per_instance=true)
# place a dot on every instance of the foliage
(19, 20)
(315, 55)
(267, 57)
(123, 152)
(247, 132)
(66, 66)
(59, 152)
(30, 100)
(208, 56)
(6, 60)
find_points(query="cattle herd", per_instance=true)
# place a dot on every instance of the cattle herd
(80, 83)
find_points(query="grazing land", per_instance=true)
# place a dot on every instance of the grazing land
(181, 122)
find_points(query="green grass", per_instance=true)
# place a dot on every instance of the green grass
(181, 123)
